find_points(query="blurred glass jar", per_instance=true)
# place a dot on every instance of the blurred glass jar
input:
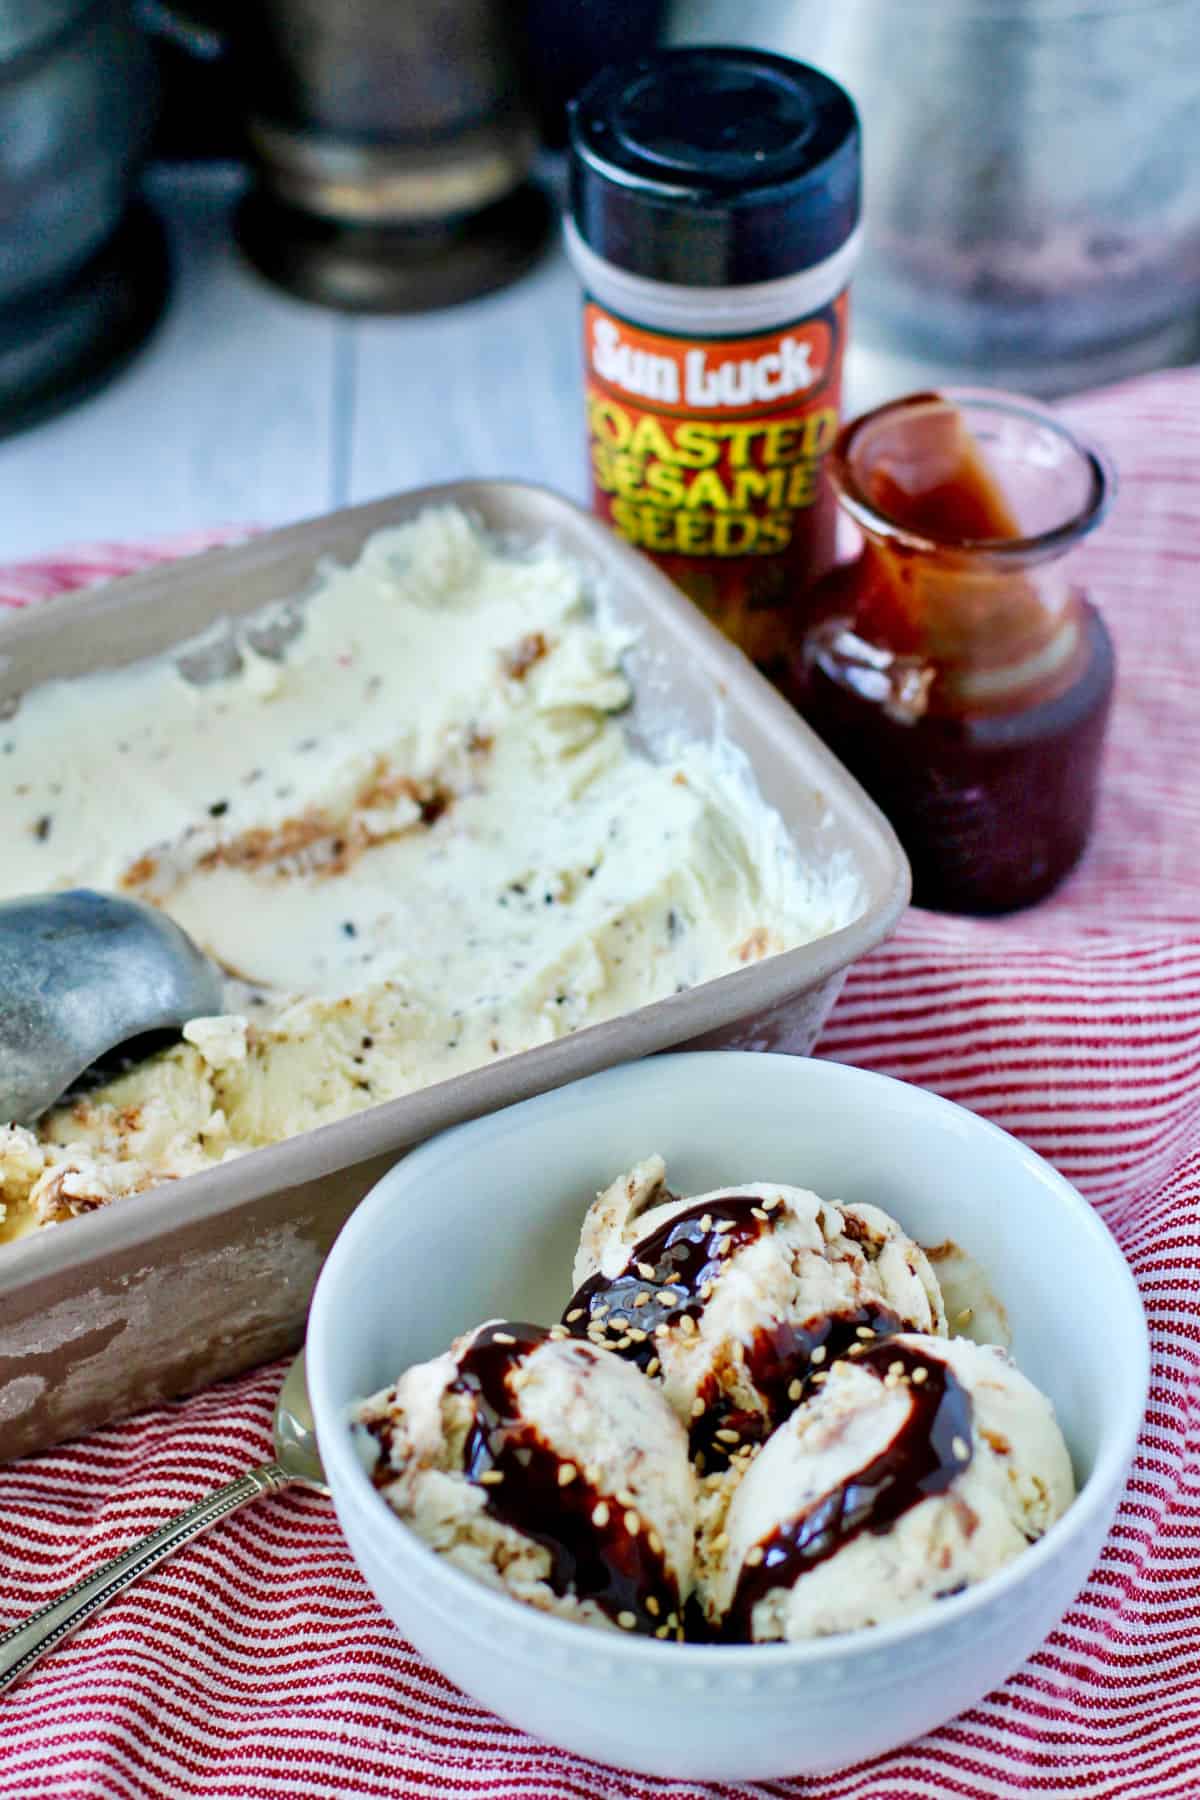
(956, 667)
(1032, 196)
(391, 146)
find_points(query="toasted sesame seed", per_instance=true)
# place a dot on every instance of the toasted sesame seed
(653, 1366)
(722, 1226)
(617, 1322)
(646, 1271)
(890, 1380)
(773, 1202)
(576, 1312)
(623, 1343)
(624, 1497)
(706, 1223)
(863, 1331)
(558, 1333)
(503, 1337)
(679, 1635)
(819, 1377)
(698, 1461)
(490, 1477)
(697, 1407)
(965, 1316)
(795, 1389)
(636, 1335)
(663, 1631)
(721, 1541)
(672, 1619)
(817, 1354)
(706, 1290)
(758, 1213)
(728, 1436)
(652, 1606)
(662, 1329)
(754, 1556)
(566, 1474)
(642, 1298)
(961, 1449)
(667, 1296)
(633, 1522)
(687, 1324)
(626, 1620)
(655, 1542)
(896, 1368)
(920, 1375)
(724, 1246)
(600, 1515)
(599, 1311)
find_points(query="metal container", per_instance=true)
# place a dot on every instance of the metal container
(1032, 191)
(171, 1289)
(1032, 188)
(83, 271)
(76, 111)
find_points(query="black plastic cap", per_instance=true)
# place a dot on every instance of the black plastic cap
(714, 166)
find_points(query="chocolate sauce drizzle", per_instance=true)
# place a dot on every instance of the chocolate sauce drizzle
(683, 1254)
(781, 1360)
(605, 1562)
(931, 1448)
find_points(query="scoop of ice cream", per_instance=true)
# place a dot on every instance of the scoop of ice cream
(732, 1298)
(545, 1467)
(914, 1468)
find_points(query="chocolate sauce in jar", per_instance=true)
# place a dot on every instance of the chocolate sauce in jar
(929, 1451)
(955, 667)
(601, 1561)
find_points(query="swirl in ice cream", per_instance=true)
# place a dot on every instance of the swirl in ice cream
(405, 815)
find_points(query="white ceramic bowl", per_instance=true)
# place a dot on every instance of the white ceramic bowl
(483, 1221)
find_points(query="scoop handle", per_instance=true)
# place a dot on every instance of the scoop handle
(25, 1644)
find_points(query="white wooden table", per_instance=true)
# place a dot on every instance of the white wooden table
(248, 407)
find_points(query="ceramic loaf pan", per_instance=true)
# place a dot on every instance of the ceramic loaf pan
(171, 1289)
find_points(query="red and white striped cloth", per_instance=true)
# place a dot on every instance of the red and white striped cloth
(256, 1663)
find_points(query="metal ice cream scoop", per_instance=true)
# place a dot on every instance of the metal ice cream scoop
(80, 974)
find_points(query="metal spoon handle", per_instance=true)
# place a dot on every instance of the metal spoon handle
(25, 1644)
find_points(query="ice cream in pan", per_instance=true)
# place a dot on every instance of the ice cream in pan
(408, 818)
(751, 1424)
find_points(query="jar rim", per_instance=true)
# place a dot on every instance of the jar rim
(1000, 550)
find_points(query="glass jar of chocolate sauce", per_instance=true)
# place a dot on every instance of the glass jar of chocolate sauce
(954, 666)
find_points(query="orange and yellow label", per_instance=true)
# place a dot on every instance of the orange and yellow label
(708, 455)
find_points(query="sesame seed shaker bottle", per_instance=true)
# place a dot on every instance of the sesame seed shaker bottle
(714, 224)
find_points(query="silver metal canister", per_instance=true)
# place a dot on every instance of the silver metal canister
(83, 271)
(1032, 184)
